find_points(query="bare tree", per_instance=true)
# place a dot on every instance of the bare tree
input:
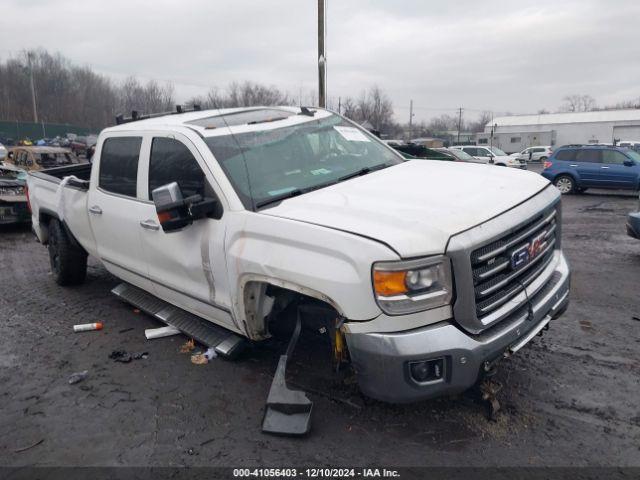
(148, 98)
(578, 103)
(478, 125)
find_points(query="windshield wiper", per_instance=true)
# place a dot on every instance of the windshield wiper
(283, 196)
(299, 191)
(361, 172)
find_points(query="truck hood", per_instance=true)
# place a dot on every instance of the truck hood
(416, 206)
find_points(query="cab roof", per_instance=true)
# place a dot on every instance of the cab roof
(193, 118)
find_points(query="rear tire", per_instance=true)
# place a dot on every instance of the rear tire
(542, 159)
(68, 262)
(565, 183)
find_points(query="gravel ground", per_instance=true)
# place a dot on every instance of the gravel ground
(568, 398)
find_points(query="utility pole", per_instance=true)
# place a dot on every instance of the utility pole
(339, 105)
(410, 119)
(322, 59)
(459, 123)
(33, 89)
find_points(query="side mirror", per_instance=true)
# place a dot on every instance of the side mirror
(629, 163)
(176, 212)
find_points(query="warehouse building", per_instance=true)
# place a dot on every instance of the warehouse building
(517, 132)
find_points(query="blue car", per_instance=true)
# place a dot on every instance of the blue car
(573, 169)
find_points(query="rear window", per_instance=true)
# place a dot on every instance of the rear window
(566, 155)
(119, 165)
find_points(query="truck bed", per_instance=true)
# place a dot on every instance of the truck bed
(82, 171)
(68, 205)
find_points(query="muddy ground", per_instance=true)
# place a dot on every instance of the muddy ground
(569, 398)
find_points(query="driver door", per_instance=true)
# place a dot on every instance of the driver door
(186, 267)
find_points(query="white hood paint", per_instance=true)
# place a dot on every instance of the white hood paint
(416, 206)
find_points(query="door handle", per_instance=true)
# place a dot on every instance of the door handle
(95, 209)
(572, 165)
(149, 225)
(604, 166)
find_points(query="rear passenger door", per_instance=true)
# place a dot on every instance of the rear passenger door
(587, 163)
(186, 267)
(114, 207)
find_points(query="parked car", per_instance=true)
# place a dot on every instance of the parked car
(3, 152)
(633, 223)
(534, 154)
(574, 169)
(491, 155)
(632, 144)
(38, 158)
(242, 216)
(458, 155)
(418, 151)
(13, 200)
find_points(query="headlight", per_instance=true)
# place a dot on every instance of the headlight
(413, 285)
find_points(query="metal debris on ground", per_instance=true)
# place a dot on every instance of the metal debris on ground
(123, 357)
(188, 346)
(490, 389)
(78, 377)
(29, 447)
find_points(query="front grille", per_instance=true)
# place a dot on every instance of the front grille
(505, 266)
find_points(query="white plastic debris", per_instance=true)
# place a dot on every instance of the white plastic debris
(152, 333)
(211, 353)
(78, 377)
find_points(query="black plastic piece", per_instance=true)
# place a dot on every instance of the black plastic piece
(307, 112)
(136, 115)
(288, 412)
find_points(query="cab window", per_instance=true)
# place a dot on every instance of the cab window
(119, 165)
(171, 161)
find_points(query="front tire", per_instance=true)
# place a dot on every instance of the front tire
(68, 262)
(565, 183)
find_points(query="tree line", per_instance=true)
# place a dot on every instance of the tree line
(68, 93)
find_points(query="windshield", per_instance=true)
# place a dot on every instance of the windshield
(460, 154)
(497, 151)
(269, 164)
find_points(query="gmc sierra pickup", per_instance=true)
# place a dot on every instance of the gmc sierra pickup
(431, 271)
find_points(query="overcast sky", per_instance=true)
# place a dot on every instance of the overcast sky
(517, 56)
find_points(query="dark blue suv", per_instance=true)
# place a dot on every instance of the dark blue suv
(573, 169)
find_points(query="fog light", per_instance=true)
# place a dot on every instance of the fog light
(427, 370)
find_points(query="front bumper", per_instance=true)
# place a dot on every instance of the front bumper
(633, 225)
(381, 360)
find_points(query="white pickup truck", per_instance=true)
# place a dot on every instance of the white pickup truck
(431, 271)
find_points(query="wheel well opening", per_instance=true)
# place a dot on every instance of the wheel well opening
(272, 311)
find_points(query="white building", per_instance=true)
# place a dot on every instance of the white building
(517, 132)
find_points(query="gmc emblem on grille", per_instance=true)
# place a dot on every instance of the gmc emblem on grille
(528, 252)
